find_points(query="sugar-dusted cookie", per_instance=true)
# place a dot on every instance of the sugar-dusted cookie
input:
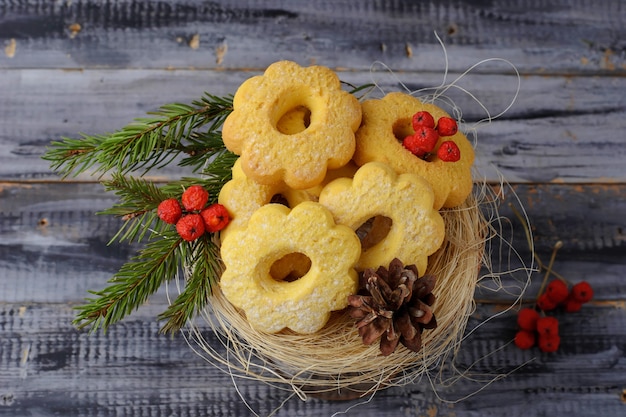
(387, 121)
(416, 229)
(273, 233)
(291, 124)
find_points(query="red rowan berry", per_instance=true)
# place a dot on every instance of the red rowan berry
(550, 343)
(169, 211)
(548, 326)
(571, 305)
(545, 303)
(215, 217)
(525, 339)
(582, 292)
(413, 144)
(449, 152)
(427, 137)
(446, 126)
(423, 118)
(527, 319)
(557, 291)
(195, 198)
(190, 227)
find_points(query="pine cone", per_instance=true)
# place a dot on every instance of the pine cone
(395, 305)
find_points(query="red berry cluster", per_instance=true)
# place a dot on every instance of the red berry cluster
(544, 330)
(423, 142)
(194, 218)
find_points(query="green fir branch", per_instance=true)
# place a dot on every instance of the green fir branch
(204, 275)
(203, 146)
(147, 143)
(134, 283)
(217, 173)
(159, 261)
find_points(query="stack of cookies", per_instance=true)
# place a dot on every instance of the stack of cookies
(323, 189)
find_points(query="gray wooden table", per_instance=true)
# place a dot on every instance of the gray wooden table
(90, 66)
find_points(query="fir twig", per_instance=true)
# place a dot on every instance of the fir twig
(215, 175)
(131, 286)
(163, 256)
(147, 143)
(204, 274)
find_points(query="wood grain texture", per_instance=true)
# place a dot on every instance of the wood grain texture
(92, 66)
(566, 136)
(51, 369)
(578, 35)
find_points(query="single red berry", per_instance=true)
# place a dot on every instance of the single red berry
(190, 227)
(545, 303)
(427, 137)
(169, 211)
(215, 217)
(549, 343)
(582, 292)
(548, 326)
(449, 152)
(413, 145)
(572, 305)
(446, 126)
(525, 339)
(423, 118)
(195, 198)
(557, 291)
(527, 319)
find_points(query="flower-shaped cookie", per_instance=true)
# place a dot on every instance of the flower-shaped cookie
(273, 232)
(387, 121)
(274, 150)
(242, 196)
(417, 229)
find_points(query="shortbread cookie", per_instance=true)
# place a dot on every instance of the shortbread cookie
(264, 127)
(417, 229)
(387, 121)
(273, 232)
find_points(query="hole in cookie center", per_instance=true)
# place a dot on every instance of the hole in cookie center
(290, 267)
(373, 231)
(402, 128)
(294, 121)
(280, 199)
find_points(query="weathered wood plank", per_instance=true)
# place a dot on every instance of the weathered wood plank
(49, 368)
(568, 135)
(581, 36)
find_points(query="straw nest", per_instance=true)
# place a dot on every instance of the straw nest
(334, 363)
